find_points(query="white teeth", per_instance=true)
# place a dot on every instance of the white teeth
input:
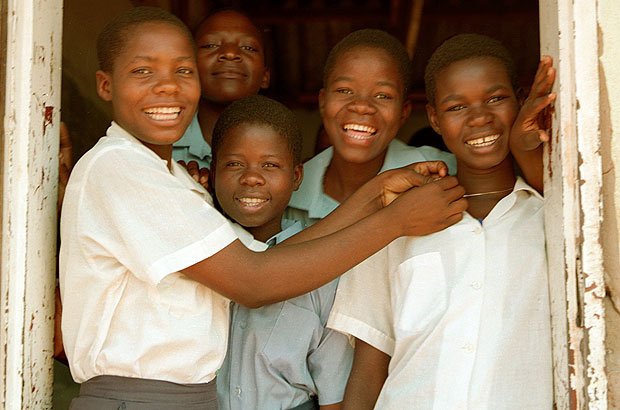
(252, 201)
(163, 113)
(484, 141)
(360, 127)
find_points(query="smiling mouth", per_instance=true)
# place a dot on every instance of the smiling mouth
(231, 74)
(483, 141)
(359, 131)
(163, 113)
(252, 202)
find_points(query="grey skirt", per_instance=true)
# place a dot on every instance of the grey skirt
(126, 393)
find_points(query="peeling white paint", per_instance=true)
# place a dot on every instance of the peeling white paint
(27, 276)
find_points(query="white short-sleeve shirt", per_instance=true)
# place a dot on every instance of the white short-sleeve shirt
(128, 226)
(463, 313)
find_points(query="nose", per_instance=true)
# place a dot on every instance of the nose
(166, 83)
(251, 177)
(229, 52)
(479, 115)
(362, 106)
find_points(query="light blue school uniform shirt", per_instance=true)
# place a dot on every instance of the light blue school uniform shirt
(192, 146)
(280, 356)
(310, 203)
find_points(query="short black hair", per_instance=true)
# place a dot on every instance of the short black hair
(231, 9)
(114, 35)
(258, 110)
(464, 47)
(372, 38)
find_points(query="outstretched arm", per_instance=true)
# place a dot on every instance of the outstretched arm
(529, 130)
(370, 369)
(288, 270)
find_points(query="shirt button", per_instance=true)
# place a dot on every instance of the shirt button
(478, 230)
(469, 348)
(238, 390)
(243, 324)
(476, 285)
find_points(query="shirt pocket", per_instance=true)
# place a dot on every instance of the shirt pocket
(293, 336)
(419, 295)
(181, 296)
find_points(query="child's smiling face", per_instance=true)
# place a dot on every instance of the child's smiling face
(255, 175)
(475, 106)
(153, 85)
(363, 103)
(231, 59)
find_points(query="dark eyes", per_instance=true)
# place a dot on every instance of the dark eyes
(492, 100)
(234, 164)
(378, 96)
(141, 71)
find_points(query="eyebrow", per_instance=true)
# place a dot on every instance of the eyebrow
(489, 90)
(148, 58)
(382, 83)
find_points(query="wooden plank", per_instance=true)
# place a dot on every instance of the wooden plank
(30, 167)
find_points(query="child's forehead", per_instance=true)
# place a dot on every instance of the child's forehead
(229, 22)
(165, 32)
(462, 68)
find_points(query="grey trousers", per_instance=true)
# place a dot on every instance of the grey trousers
(126, 393)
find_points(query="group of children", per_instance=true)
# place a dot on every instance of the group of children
(444, 315)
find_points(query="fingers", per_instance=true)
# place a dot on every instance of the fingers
(428, 168)
(194, 170)
(203, 177)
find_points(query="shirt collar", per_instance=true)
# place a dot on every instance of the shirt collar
(310, 196)
(289, 228)
(116, 131)
(194, 141)
(520, 192)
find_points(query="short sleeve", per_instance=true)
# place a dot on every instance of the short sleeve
(131, 207)
(362, 308)
(330, 363)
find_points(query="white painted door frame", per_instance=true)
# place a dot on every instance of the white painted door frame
(30, 147)
(30, 169)
(573, 205)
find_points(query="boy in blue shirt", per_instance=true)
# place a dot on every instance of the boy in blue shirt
(231, 65)
(279, 356)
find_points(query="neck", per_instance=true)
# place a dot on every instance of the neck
(343, 178)
(208, 113)
(264, 232)
(492, 184)
(162, 151)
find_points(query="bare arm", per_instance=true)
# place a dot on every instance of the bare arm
(370, 369)
(285, 271)
(335, 406)
(529, 130)
(377, 193)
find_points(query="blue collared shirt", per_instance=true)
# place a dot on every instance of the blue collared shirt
(192, 146)
(281, 355)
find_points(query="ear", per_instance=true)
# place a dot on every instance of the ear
(298, 176)
(264, 82)
(104, 85)
(432, 118)
(405, 112)
(321, 101)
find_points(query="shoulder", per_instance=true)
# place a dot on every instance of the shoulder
(311, 186)
(399, 154)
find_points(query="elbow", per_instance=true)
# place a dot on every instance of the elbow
(252, 299)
